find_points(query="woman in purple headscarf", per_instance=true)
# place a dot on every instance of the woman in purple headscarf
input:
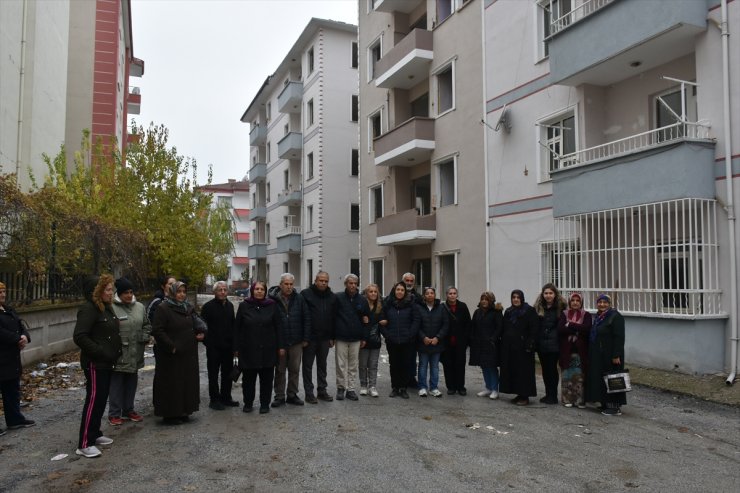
(573, 332)
(605, 355)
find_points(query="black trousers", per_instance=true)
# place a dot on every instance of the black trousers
(399, 356)
(249, 380)
(549, 364)
(219, 361)
(454, 360)
(11, 391)
(319, 351)
(97, 387)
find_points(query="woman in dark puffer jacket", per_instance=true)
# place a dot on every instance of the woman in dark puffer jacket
(399, 326)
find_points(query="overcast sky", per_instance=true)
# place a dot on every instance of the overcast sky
(205, 60)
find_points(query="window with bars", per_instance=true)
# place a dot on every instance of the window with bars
(654, 259)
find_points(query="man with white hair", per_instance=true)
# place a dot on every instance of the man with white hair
(296, 327)
(218, 314)
(350, 330)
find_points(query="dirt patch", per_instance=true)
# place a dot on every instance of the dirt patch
(707, 387)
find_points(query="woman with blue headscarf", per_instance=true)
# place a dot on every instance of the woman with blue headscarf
(605, 355)
(518, 345)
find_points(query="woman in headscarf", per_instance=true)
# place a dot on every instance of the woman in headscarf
(518, 344)
(97, 335)
(258, 343)
(605, 355)
(13, 339)
(176, 374)
(573, 331)
(484, 342)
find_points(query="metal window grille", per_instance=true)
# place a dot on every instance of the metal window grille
(656, 259)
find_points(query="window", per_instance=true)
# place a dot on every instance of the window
(268, 112)
(444, 10)
(286, 179)
(354, 217)
(355, 166)
(355, 55)
(421, 195)
(309, 165)
(376, 203)
(224, 202)
(267, 274)
(309, 113)
(551, 13)
(373, 55)
(374, 128)
(267, 192)
(422, 268)
(310, 60)
(267, 233)
(309, 220)
(445, 89)
(286, 267)
(447, 183)
(447, 272)
(267, 152)
(354, 266)
(309, 270)
(668, 106)
(559, 142)
(355, 108)
(286, 129)
(376, 274)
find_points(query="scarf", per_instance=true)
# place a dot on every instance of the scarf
(513, 313)
(171, 296)
(575, 316)
(600, 319)
(266, 301)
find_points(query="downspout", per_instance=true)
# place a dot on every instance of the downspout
(22, 83)
(730, 194)
(486, 185)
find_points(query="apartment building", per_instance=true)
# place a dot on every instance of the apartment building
(304, 160)
(422, 144)
(611, 135)
(235, 196)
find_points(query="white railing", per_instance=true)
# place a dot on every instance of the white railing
(659, 259)
(582, 11)
(635, 143)
(290, 230)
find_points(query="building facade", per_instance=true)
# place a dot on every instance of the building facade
(422, 144)
(609, 146)
(303, 170)
(235, 196)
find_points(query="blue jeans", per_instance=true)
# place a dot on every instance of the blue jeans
(431, 361)
(490, 376)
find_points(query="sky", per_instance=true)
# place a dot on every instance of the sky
(205, 60)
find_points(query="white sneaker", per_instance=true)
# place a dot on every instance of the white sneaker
(422, 392)
(103, 440)
(373, 392)
(484, 393)
(494, 395)
(89, 452)
(363, 391)
(436, 393)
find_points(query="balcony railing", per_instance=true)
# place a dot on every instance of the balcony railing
(257, 212)
(258, 173)
(258, 250)
(406, 228)
(258, 135)
(290, 197)
(289, 99)
(580, 12)
(290, 230)
(407, 63)
(676, 132)
(409, 144)
(290, 146)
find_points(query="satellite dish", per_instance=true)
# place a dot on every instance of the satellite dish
(504, 121)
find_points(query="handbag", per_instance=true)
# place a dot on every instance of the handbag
(199, 325)
(374, 337)
(235, 371)
(618, 382)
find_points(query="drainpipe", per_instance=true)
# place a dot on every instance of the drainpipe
(21, 80)
(730, 194)
(486, 220)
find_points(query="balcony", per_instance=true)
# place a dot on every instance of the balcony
(289, 100)
(257, 251)
(407, 63)
(258, 135)
(258, 173)
(133, 102)
(257, 213)
(638, 169)
(289, 240)
(404, 6)
(409, 144)
(406, 228)
(290, 146)
(290, 197)
(620, 39)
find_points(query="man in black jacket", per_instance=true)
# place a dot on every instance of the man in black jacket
(296, 326)
(218, 314)
(322, 303)
(350, 331)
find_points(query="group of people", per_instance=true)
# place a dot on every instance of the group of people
(279, 334)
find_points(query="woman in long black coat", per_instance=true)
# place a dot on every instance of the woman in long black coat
(258, 344)
(485, 334)
(177, 374)
(518, 342)
(454, 357)
(605, 355)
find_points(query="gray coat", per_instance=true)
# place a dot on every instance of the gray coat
(135, 331)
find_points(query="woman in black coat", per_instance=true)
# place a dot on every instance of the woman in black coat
(454, 357)
(518, 342)
(549, 305)
(258, 343)
(605, 355)
(485, 334)
(399, 326)
(13, 339)
(176, 387)
(430, 343)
